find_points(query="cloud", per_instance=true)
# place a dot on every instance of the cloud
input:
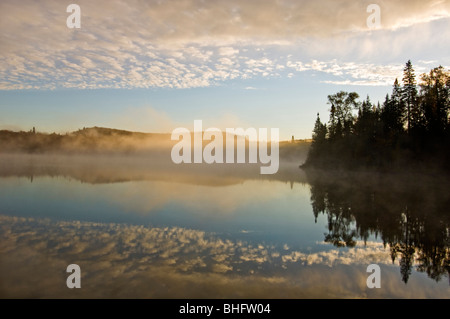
(135, 261)
(228, 51)
(352, 73)
(188, 43)
(360, 254)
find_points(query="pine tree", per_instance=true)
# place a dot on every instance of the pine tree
(319, 132)
(409, 94)
(319, 138)
(393, 113)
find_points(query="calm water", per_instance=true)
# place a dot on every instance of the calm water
(148, 230)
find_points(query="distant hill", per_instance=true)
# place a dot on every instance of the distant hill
(95, 139)
(107, 140)
(103, 131)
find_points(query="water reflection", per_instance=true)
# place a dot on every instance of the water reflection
(135, 261)
(410, 214)
(142, 228)
(116, 168)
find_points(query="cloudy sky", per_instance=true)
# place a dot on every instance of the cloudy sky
(156, 65)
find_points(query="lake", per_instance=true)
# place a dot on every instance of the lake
(141, 228)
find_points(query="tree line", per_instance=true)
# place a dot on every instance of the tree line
(411, 128)
(409, 215)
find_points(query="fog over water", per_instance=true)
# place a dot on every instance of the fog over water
(140, 226)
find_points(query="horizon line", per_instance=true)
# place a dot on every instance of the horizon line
(127, 131)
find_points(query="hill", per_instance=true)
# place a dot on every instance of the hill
(101, 140)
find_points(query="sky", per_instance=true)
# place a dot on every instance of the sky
(153, 66)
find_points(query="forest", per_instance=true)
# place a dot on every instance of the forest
(409, 215)
(410, 130)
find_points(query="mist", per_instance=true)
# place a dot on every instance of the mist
(100, 155)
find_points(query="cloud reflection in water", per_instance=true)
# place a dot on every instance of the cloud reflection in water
(119, 260)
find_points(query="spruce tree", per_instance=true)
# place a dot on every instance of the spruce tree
(409, 94)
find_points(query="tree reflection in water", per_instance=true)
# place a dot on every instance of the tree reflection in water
(409, 213)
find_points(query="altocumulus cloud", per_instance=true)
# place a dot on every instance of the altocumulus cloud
(171, 262)
(189, 43)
